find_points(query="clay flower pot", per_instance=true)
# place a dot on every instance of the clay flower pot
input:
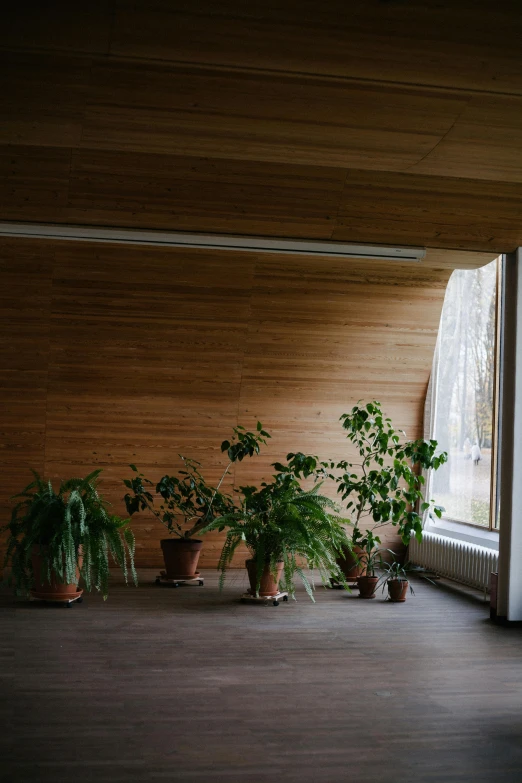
(181, 557)
(349, 564)
(53, 590)
(269, 585)
(367, 586)
(398, 589)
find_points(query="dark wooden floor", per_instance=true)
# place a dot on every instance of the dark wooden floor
(190, 685)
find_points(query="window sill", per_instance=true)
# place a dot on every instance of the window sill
(461, 532)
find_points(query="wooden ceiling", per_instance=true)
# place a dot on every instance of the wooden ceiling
(364, 121)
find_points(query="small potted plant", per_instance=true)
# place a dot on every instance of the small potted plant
(370, 560)
(396, 579)
(285, 529)
(185, 503)
(56, 536)
(351, 562)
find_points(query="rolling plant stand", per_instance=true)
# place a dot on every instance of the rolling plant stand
(352, 584)
(66, 601)
(264, 600)
(168, 581)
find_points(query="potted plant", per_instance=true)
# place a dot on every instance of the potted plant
(185, 503)
(370, 560)
(396, 579)
(385, 486)
(285, 528)
(57, 535)
(350, 561)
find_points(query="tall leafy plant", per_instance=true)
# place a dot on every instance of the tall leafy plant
(185, 503)
(68, 526)
(386, 484)
(280, 521)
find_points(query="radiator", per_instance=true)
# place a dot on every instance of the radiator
(459, 560)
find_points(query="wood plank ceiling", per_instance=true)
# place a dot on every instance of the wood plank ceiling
(368, 121)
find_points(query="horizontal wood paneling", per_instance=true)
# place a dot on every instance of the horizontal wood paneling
(61, 100)
(146, 360)
(368, 122)
(243, 197)
(146, 353)
(276, 118)
(325, 335)
(43, 98)
(437, 258)
(470, 44)
(25, 305)
(464, 44)
(58, 26)
(53, 100)
(485, 143)
(434, 211)
(34, 183)
(214, 146)
(198, 194)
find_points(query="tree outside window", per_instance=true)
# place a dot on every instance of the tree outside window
(465, 382)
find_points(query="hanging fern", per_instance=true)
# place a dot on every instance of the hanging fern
(282, 522)
(69, 526)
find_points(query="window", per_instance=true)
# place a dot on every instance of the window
(465, 393)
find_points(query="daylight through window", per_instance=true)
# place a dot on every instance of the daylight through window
(465, 394)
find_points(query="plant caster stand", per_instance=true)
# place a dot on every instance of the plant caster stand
(352, 584)
(168, 581)
(65, 601)
(264, 600)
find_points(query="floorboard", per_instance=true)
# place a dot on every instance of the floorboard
(189, 685)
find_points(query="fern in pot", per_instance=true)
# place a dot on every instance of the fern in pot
(286, 529)
(57, 535)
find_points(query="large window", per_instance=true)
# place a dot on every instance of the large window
(465, 396)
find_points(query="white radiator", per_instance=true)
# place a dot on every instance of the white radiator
(459, 560)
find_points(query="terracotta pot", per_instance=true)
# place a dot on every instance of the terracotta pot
(349, 566)
(367, 586)
(53, 590)
(269, 585)
(181, 557)
(398, 589)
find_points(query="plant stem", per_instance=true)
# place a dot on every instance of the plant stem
(203, 521)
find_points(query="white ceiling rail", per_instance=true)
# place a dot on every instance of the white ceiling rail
(210, 241)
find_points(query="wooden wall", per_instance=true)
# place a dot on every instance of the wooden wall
(118, 354)
(392, 123)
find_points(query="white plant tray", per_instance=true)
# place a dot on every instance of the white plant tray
(264, 600)
(162, 579)
(63, 601)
